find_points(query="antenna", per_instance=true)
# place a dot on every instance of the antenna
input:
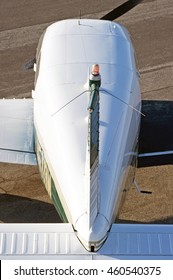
(133, 108)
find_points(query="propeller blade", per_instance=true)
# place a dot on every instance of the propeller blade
(121, 10)
(30, 64)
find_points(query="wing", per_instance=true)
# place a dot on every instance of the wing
(155, 158)
(140, 241)
(17, 131)
(156, 138)
(59, 241)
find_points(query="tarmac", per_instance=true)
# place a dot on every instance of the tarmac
(23, 198)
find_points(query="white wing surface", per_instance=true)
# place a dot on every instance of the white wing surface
(59, 241)
(17, 131)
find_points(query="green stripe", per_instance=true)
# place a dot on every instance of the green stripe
(48, 181)
(57, 202)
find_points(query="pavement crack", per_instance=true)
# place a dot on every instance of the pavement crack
(4, 180)
(2, 191)
(153, 90)
(155, 68)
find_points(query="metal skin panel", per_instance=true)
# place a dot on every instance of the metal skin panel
(61, 96)
(58, 241)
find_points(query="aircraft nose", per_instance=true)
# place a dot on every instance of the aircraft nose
(92, 238)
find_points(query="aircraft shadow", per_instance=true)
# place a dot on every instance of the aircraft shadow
(17, 209)
(156, 132)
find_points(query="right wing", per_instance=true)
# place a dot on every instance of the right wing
(156, 137)
(17, 131)
(155, 158)
(59, 241)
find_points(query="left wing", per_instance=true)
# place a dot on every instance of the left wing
(17, 131)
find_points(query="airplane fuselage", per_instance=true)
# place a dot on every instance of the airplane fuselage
(87, 196)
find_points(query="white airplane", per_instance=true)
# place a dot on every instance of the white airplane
(81, 127)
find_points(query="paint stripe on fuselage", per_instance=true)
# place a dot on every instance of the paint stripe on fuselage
(48, 181)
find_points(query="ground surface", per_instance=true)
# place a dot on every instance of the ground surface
(22, 194)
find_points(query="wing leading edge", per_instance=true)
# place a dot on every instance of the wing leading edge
(17, 131)
(59, 241)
